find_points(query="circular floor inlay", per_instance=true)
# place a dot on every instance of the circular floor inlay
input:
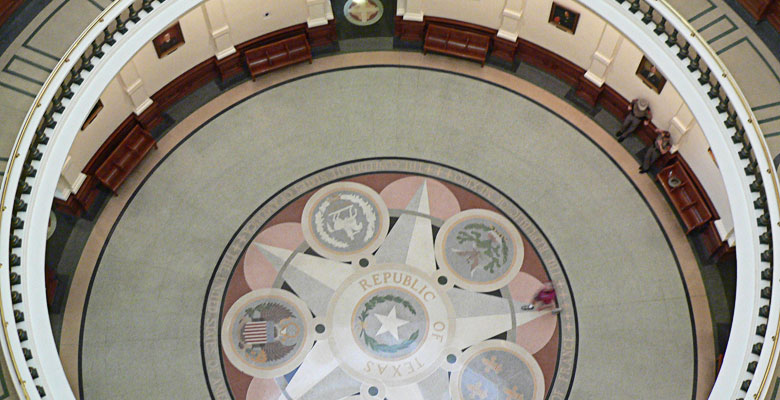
(363, 12)
(391, 324)
(497, 370)
(392, 279)
(266, 331)
(480, 250)
(345, 219)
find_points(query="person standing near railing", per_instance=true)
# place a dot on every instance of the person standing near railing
(638, 112)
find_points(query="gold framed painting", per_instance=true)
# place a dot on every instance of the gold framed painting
(168, 40)
(563, 18)
(650, 75)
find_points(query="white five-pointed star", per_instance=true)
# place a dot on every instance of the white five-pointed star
(390, 323)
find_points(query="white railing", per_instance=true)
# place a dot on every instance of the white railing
(670, 42)
(64, 115)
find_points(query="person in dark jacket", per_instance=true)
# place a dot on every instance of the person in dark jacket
(638, 112)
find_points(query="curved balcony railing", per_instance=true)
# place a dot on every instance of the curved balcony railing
(121, 30)
(746, 166)
(31, 178)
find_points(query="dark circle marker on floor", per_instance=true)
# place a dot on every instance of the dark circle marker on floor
(451, 358)
(320, 328)
(442, 280)
(373, 391)
(363, 262)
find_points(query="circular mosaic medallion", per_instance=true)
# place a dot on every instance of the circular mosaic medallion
(372, 278)
(363, 12)
(398, 329)
(390, 323)
(479, 250)
(266, 332)
(345, 219)
(497, 369)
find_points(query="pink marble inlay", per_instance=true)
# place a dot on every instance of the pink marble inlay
(258, 271)
(534, 335)
(263, 389)
(443, 203)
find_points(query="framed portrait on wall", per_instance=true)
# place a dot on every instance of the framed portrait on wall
(650, 75)
(168, 40)
(93, 113)
(563, 18)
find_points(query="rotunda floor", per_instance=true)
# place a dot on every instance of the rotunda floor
(344, 230)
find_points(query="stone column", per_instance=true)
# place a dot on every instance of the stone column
(590, 85)
(318, 12)
(214, 11)
(510, 20)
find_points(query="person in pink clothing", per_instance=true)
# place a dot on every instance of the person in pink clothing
(544, 298)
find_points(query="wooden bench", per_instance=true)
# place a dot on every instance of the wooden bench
(684, 192)
(456, 42)
(277, 55)
(125, 157)
(768, 10)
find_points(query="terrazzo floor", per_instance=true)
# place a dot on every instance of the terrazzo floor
(627, 280)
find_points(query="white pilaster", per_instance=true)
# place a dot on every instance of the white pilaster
(400, 8)
(510, 20)
(602, 58)
(680, 125)
(214, 11)
(726, 235)
(69, 182)
(134, 87)
(318, 12)
(414, 10)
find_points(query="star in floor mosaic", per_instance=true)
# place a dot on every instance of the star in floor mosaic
(387, 278)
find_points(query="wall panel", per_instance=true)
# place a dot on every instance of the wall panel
(157, 72)
(481, 12)
(622, 77)
(693, 147)
(247, 18)
(577, 48)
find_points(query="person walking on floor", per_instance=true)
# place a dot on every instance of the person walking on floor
(661, 145)
(544, 298)
(638, 112)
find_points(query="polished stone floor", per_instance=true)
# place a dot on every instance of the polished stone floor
(634, 286)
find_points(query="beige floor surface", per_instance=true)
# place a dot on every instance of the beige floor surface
(704, 336)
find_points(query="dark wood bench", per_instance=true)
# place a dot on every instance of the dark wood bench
(125, 157)
(277, 55)
(768, 10)
(684, 191)
(7, 8)
(457, 42)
